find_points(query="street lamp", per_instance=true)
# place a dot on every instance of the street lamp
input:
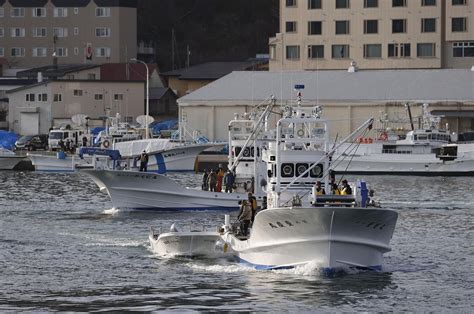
(147, 95)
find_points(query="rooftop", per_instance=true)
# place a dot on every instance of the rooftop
(51, 71)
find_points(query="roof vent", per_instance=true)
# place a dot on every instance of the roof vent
(353, 67)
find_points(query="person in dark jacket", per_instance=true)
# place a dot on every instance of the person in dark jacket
(143, 161)
(229, 181)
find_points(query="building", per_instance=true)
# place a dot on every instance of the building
(35, 33)
(7, 84)
(347, 98)
(186, 80)
(34, 109)
(63, 71)
(377, 34)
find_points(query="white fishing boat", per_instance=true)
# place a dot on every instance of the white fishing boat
(299, 226)
(8, 159)
(146, 190)
(191, 243)
(425, 151)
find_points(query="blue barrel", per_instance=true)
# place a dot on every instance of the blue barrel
(61, 155)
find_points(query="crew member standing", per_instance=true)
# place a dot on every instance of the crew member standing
(143, 161)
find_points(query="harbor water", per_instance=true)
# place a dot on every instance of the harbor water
(63, 248)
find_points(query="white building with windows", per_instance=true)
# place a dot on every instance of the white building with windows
(377, 34)
(34, 32)
(34, 109)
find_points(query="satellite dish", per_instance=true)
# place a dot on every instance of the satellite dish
(143, 119)
(80, 119)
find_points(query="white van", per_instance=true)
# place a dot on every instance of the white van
(74, 136)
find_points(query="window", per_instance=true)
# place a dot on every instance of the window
(61, 52)
(17, 52)
(76, 51)
(428, 25)
(399, 50)
(342, 27)
(102, 52)
(76, 31)
(2, 32)
(290, 27)
(17, 32)
(463, 49)
(340, 51)
(2, 12)
(105, 32)
(40, 52)
(292, 52)
(2, 52)
(99, 96)
(371, 27)
(426, 3)
(60, 31)
(314, 28)
(30, 97)
(315, 51)
(91, 76)
(17, 12)
(425, 50)
(76, 11)
(57, 97)
(77, 92)
(372, 51)
(290, 3)
(399, 3)
(39, 32)
(371, 3)
(399, 26)
(118, 96)
(458, 24)
(272, 52)
(342, 4)
(459, 2)
(102, 12)
(42, 97)
(39, 12)
(60, 12)
(314, 4)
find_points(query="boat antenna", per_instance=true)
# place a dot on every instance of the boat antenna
(407, 105)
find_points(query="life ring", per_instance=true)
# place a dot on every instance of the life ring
(106, 144)
(300, 132)
(384, 136)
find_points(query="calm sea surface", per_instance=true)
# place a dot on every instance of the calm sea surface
(63, 248)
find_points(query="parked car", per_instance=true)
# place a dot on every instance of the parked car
(32, 142)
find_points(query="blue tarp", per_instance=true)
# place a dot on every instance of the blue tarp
(96, 130)
(8, 139)
(156, 126)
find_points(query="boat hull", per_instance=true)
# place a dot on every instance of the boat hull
(9, 162)
(152, 191)
(331, 237)
(51, 163)
(186, 244)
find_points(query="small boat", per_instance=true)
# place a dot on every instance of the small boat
(302, 225)
(8, 159)
(192, 243)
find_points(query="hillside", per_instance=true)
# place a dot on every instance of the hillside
(214, 30)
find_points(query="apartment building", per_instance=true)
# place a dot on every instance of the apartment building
(376, 34)
(35, 33)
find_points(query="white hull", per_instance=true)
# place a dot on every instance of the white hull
(189, 244)
(51, 163)
(332, 237)
(413, 164)
(9, 162)
(181, 158)
(146, 190)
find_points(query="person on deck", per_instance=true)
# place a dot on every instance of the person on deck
(84, 141)
(245, 216)
(205, 176)
(319, 189)
(229, 181)
(253, 205)
(143, 161)
(346, 188)
(212, 181)
(220, 177)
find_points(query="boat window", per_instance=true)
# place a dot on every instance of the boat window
(287, 170)
(422, 137)
(415, 137)
(317, 172)
(56, 135)
(301, 168)
(237, 150)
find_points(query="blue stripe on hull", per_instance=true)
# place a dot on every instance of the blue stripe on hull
(326, 271)
(412, 173)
